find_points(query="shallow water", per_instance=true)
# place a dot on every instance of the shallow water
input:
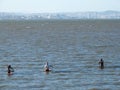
(72, 47)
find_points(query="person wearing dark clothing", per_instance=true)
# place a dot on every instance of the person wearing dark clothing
(101, 62)
(10, 70)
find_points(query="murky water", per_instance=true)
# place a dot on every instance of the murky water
(72, 47)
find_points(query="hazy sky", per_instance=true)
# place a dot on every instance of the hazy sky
(40, 6)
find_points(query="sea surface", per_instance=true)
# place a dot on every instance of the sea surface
(72, 47)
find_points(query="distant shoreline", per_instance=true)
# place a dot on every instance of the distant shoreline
(60, 16)
(58, 20)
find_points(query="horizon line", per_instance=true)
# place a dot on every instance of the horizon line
(59, 12)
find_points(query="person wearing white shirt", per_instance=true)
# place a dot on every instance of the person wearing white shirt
(46, 67)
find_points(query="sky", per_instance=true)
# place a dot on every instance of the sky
(54, 6)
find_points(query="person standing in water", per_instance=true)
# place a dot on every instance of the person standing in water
(101, 62)
(10, 70)
(46, 67)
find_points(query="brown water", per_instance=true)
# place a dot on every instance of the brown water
(72, 47)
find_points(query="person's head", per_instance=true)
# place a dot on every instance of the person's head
(101, 59)
(9, 66)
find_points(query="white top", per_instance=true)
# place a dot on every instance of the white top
(46, 66)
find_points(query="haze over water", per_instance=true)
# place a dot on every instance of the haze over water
(72, 47)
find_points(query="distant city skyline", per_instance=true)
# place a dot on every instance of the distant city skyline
(57, 6)
(41, 16)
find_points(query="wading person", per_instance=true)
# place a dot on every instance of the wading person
(46, 67)
(10, 70)
(101, 63)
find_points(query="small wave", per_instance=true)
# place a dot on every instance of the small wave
(64, 71)
(112, 66)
